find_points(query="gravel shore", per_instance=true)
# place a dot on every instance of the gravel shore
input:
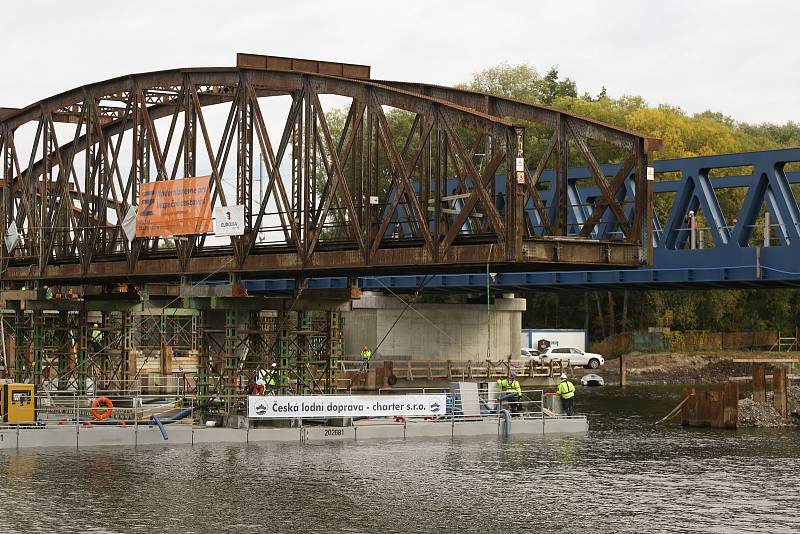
(764, 415)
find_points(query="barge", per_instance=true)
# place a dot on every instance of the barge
(459, 412)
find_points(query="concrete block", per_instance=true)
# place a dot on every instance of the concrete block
(99, 436)
(258, 435)
(48, 437)
(220, 435)
(329, 433)
(389, 431)
(8, 439)
(477, 428)
(428, 429)
(151, 435)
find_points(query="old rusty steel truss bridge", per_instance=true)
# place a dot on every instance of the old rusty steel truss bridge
(323, 158)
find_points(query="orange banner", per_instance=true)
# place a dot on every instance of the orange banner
(174, 207)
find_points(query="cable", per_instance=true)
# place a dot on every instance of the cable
(418, 291)
(414, 310)
(488, 307)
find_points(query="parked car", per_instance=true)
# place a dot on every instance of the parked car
(532, 354)
(592, 380)
(576, 357)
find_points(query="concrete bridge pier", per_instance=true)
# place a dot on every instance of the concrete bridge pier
(433, 331)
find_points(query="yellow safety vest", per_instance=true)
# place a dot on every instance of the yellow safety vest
(566, 389)
(270, 378)
(366, 354)
(510, 386)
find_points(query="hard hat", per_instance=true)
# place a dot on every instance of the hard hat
(95, 325)
(274, 365)
(260, 382)
(563, 376)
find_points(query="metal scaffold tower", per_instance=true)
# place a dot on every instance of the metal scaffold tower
(65, 343)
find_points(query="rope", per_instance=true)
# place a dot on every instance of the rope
(675, 410)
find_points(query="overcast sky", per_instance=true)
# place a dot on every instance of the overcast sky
(736, 57)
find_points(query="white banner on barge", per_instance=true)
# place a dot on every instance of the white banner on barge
(293, 406)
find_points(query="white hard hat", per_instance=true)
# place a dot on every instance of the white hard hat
(260, 382)
(563, 376)
(274, 364)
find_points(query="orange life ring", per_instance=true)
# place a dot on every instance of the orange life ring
(102, 414)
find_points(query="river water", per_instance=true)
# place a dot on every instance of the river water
(626, 475)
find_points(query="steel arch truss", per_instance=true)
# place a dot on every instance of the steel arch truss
(73, 165)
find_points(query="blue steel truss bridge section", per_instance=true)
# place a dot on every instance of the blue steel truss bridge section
(729, 220)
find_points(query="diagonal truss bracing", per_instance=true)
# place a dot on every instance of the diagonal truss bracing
(333, 186)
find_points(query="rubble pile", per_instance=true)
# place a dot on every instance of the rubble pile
(764, 415)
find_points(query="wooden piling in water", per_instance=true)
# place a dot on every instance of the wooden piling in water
(759, 382)
(731, 405)
(779, 397)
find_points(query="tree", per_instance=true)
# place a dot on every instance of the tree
(684, 135)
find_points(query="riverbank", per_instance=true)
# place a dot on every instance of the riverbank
(689, 368)
(683, 369)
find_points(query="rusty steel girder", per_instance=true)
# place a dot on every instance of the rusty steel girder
(405, 177)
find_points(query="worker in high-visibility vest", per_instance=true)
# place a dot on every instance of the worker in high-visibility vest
(366, 356)
(512, 391)
(96, 338)
(271, 376)
(566, 390)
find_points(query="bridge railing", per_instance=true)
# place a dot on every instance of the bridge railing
(462, 370)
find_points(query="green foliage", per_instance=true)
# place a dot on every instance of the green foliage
(684, 135)
(522, 82)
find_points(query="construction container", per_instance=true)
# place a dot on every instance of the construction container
(18, 403)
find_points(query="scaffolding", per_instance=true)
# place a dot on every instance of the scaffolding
(132, 341)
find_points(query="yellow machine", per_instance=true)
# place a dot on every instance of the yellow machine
(18, 403)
